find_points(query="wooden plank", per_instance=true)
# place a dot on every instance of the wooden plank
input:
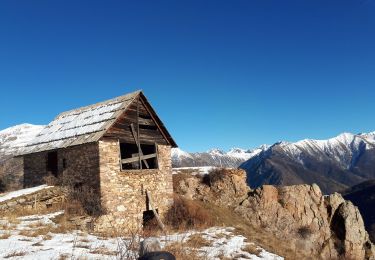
(151, 204)
(138, 143)
(139, 146)
(154, 119)
(128, 138)
(143, 157)
(143, 121)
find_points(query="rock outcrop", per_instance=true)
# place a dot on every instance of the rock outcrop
(323, 226)
(221, 186)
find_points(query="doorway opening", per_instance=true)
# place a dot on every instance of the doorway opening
(149, 220)
(52, 163)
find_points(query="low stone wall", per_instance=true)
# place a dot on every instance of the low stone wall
(39, 199)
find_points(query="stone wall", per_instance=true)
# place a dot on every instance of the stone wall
(43, 198)
(34, 169)
(124, 192)
(11, 174)
(81, 166)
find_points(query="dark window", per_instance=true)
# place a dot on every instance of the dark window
(130, 157)
(52, 161)
(64, 164)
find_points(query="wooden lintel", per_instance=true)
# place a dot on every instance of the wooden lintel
(135, 159)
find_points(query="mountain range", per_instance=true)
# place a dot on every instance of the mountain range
(334, 164)
(214, 157)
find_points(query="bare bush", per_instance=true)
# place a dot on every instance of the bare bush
(214, 175)
(252, 249)
(127, 247)
(185, 214)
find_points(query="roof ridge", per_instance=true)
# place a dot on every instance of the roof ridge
(114, 100)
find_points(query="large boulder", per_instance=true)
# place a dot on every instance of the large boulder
(210, 187)
(327, 226)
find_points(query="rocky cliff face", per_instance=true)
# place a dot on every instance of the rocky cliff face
(324, 226)
(363, 196)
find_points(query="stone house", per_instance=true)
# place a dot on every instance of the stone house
(119, 149)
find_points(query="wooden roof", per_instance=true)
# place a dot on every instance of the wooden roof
(86, 124)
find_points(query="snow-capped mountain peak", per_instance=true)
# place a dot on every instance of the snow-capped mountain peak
(215, 151)
(177, 153)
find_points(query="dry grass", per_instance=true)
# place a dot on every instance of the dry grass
(6, 226)
(102, 251)
(187, 214)
(63, 225)
(264, 238)
(15, 254)
(182, 252)
(36, 232)
(64, 257)
(197, 241)
(37, 224)
(46, 237)
(5, 235)
(252, 249)
(28, 211)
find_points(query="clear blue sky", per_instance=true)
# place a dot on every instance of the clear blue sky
(219, 73)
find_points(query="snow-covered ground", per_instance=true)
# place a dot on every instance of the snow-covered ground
(194, 170)
(18, 193)
(17, 241)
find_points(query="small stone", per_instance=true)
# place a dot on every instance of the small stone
(121, 208)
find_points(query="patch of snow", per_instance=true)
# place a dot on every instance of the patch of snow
(43, 220)
(222, 242)
(194, 170)
(18, 193)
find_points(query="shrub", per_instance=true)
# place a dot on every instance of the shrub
(304, 232)
(252, 249)
(188, 214)
(216, 174)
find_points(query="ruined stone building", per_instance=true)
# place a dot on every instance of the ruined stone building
(119, 148)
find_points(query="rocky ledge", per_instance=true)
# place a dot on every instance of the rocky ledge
(328, 227)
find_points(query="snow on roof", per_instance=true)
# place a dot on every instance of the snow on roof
(79, 126)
